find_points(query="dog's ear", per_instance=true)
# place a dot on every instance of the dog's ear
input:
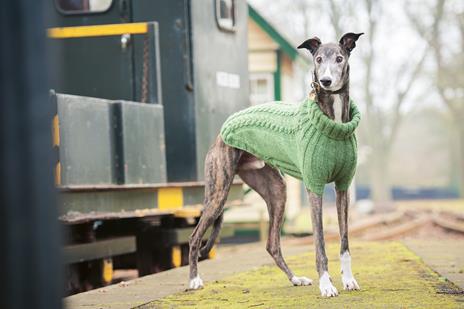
(311, 44)
(348, 40)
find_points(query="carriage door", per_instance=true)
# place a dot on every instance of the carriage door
(95, 60)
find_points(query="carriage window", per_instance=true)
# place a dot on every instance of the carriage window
(83, 6)
(225, 14)
(261, 88)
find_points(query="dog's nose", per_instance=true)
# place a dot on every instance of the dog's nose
(326, 82)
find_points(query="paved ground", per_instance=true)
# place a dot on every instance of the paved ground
(229, 261)
(444, 256)
(389, 273)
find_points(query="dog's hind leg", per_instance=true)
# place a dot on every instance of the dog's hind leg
(220, 168)
(325, 283)
(348, 280)
(268, 183)
(212, 238)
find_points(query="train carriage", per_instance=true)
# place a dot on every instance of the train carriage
(141, 91)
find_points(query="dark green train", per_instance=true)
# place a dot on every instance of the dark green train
(141, 90)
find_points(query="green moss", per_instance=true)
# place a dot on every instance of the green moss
(390, 276)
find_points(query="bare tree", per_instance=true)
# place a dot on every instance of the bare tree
(448, 70)
(335, 14)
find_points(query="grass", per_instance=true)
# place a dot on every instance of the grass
(390, 276)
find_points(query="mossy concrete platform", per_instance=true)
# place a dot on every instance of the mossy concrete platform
(389, 273)
(229, 261)
(444, 256)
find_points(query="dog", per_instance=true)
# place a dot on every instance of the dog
(331, 94)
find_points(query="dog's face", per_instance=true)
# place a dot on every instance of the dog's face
(331, 60)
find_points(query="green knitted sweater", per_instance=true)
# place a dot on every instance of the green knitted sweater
(299, 140)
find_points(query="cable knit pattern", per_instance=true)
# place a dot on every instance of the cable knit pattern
(299, 140)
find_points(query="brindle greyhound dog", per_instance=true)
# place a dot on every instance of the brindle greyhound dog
(223, 162)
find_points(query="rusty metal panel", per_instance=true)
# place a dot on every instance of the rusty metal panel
(110, 142)
(85, 151)
(142, 142)
(220, 68)
(204, 76)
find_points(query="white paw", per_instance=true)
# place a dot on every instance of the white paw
(196, 283)
(301, 281)
(326, 286)
(349, 283)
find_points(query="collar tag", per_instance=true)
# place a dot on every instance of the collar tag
(312, 95)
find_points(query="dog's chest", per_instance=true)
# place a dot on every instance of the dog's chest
(337, 107)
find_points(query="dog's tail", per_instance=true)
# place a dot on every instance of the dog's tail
(212, 238)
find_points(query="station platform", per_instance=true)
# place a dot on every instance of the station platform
(409, 274)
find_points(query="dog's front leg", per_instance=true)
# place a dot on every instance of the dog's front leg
(325, 283)
(348, 280)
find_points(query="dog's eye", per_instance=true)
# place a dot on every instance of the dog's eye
(339, 59)
(319, 59)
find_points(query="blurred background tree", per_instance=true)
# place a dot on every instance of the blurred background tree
(444, 36)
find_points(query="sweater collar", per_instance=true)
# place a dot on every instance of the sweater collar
(330, 128)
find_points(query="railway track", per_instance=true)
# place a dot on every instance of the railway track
(400, 224)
